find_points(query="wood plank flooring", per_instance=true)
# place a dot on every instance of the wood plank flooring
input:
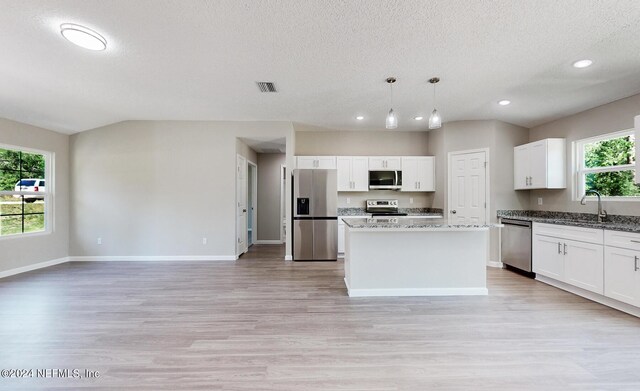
(265, 324)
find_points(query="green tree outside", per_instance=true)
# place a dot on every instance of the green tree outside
(610, 153)
(16, 165)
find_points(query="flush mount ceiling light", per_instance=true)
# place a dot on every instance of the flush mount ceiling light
(360, 118)
(83, 36)
(418, 118)
(435, 121)
(392, 119)
(582, 63)
(504, 102)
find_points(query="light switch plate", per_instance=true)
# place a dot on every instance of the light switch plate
(411, 200)
(348, 200)
(539, 200)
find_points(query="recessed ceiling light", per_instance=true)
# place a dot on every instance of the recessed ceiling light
(582, 63)
(83, 36)
(359, 118)
(504, 102)
(418, 118)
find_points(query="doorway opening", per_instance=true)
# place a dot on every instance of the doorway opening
(261, 194)
(252, 196)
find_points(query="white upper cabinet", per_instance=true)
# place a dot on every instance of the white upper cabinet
(353, 173)
(540, 165)
(418, 173)
(317, 162)
(383, 163)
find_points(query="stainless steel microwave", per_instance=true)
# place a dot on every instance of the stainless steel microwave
(385, 180)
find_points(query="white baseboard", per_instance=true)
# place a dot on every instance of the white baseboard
(267, 242)
(416, 291)
(497, 264)
(35, 266)
(288, 258)
(155, 258)
(620, 306)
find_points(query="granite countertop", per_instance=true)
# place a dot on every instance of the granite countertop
(409, 223)
(424, 212)
(585, 220)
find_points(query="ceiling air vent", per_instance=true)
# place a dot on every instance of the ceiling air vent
(266, 86)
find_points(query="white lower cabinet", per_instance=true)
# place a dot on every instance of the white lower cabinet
(584, 265)
(622, 266)
(340, 237)
(548, 258)
(600, 261)
(576, 262)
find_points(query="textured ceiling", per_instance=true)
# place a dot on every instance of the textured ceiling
(198, 60)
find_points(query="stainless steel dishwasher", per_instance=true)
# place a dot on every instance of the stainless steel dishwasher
(516, 244)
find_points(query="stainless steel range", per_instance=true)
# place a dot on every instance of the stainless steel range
(383, 208)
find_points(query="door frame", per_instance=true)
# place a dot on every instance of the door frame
(283, 201)
(254, 203)
(240, 251)
(487, 180)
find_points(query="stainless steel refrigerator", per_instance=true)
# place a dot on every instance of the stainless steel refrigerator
(315, 215)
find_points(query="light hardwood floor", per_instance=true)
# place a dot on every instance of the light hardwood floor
(265, 324)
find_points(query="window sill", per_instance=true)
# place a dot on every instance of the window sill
(26, 235)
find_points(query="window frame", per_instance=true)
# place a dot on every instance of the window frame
(580, 171)
(48, 193)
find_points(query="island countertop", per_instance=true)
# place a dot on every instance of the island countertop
(413, 224)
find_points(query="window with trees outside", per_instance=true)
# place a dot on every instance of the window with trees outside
(606, 164)
(24, 195)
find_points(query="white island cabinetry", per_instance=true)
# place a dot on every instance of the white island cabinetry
(415, 257)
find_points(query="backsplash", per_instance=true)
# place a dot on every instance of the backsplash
(409, 211)
(358, 199)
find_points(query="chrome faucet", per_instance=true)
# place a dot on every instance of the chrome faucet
(602, 214)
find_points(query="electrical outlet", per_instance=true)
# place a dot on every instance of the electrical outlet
(204, 240)
(348, 200)
(411, 200)
(539, 200)
(99, 240)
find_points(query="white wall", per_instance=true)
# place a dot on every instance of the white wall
(18, 252)
(269, 195)
(156, 188)
(604, 119)
(499, 138)
(319, 141)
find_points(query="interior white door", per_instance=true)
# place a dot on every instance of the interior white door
(241, 202)
(467, 185)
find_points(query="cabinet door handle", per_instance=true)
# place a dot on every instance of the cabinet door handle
(634, 241)
(559, 248)
(635, 263)
(565, 249)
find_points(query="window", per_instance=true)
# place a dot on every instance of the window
(606, 164)
(24, 198)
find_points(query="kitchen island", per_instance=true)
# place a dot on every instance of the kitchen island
(415, 257)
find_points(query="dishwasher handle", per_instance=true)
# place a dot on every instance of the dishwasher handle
(517, 222)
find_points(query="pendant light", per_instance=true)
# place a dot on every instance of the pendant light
(392, 119)
(435, 121)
